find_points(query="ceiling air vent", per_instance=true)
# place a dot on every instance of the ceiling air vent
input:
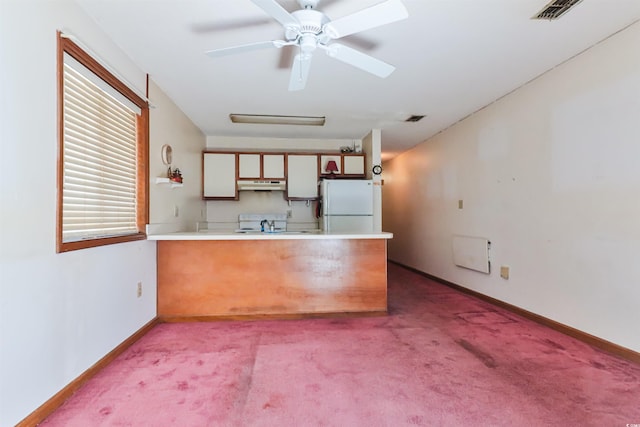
(556, 9)
(414, 118)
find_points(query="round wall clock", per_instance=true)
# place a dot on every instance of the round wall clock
(167, 154)
(377, 170)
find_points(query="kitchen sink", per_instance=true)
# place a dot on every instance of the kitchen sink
(278, 232)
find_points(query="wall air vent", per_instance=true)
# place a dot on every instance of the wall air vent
(414, 118)
(556, 9)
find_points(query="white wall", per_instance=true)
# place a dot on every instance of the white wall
(372, 147)
(550, 175)
(169, 125)
(59, 313)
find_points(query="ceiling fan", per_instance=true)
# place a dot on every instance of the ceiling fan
(309, 29)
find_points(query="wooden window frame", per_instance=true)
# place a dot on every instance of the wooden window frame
(65, 45)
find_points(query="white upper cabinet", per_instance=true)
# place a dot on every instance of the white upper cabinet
(349, 165)
(273, 166)
(353, 164)
(248, 166)
(325, 159)
(222, 170)
(260, 166)
(219, 176)
(302, 176)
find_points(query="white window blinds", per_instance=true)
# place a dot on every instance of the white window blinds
(99, 159)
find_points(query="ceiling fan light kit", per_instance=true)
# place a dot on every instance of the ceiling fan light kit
(310, 29)
(278, 120)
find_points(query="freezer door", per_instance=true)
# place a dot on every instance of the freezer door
(347, 197)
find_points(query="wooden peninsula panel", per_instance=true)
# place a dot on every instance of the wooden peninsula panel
(202, 278)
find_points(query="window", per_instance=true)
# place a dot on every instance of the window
(103, 143)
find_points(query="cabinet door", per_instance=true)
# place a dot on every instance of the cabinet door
(353, 165)
(273, 166)
(249, 166)
(219, 176)
(302, 176)
(324, 161)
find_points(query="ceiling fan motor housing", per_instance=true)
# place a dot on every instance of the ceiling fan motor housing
(311, 25)
(311, 21)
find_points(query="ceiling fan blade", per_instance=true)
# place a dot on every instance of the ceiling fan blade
(374, 16)
(273, 8)
(208, 27)
(300, 71)
(245, 48)
(359, 60)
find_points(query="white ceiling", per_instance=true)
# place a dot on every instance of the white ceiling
(452, 57)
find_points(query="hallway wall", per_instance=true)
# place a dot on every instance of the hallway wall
(549, 174)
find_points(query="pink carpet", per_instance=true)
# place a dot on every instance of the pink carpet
(439, 358)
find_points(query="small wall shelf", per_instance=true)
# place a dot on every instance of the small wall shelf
(168, 181)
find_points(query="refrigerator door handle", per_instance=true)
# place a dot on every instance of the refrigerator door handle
(326, 205)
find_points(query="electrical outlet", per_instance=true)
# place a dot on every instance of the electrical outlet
(176, 211)
(289, 213)
(504, 272)
(139, 289)
(460, 204)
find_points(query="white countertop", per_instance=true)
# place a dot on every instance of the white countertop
(288, 235)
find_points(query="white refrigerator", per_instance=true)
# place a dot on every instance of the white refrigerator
(347, 205)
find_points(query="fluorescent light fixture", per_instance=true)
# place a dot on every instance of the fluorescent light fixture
(277, 120)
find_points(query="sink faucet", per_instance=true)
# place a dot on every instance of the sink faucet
(270, 224)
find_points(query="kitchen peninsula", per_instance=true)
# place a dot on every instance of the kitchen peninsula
(242, 275)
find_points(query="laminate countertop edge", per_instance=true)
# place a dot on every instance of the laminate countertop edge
(226, 235)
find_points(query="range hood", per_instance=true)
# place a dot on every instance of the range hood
(262, 185)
